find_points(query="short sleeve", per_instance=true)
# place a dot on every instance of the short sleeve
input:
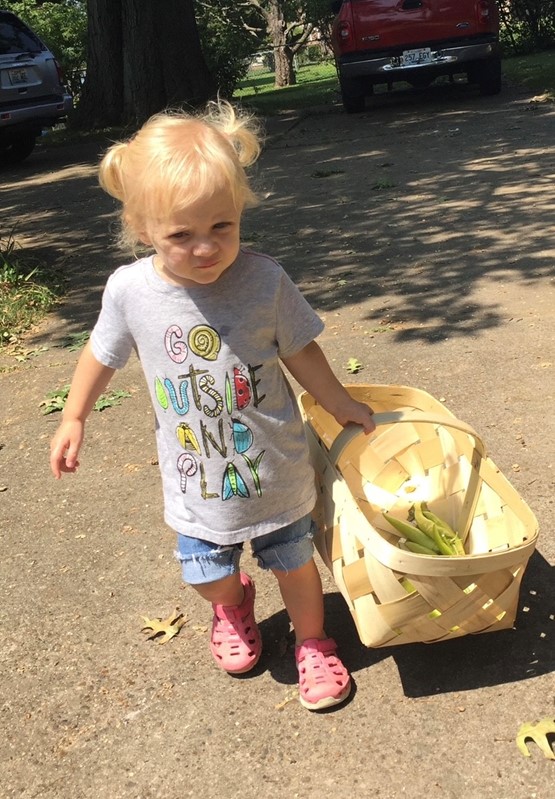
(297, 324)
(111, 339)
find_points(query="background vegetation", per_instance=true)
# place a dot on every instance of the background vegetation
(231, 34)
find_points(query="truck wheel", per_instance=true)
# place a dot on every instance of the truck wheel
(18, 150)
(489, 77)
(352, 96)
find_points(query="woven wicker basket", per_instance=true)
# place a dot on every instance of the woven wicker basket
(420, 451)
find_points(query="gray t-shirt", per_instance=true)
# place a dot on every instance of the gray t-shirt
(231, 446)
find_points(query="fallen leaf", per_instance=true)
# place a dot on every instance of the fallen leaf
(164, 629)
(538, 733)
(354, 365)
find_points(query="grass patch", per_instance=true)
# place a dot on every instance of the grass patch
(536, 72)
(28, 290)
(317, 84)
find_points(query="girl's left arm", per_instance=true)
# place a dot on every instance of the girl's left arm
(311, 369)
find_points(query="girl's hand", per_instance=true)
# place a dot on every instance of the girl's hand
(89, 381)
(357, 412)
(65, 446)
(310, 367)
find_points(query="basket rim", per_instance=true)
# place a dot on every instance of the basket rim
(395, 417)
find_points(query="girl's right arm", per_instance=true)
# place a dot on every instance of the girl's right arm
(89, 381)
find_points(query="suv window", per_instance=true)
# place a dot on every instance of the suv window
(15, 37)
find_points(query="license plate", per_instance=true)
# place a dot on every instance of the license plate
(18, 76)
(411, 58)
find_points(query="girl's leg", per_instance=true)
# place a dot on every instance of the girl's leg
(301, 590)
(323, 679)
(235, 641)
(228, 591)
(213, 572)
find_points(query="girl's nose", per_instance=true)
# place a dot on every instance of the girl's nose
(205, 246)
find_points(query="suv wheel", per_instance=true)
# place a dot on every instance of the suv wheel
(17, 150)
(352, 95)
(489, 77)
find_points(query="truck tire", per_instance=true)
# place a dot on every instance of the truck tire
(17, 150)
(353, 95)
(489, 77)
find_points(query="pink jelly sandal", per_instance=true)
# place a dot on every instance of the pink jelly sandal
(235, 643)
(323, 679)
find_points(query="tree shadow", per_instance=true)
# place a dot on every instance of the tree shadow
(416, 236)
(409, 210)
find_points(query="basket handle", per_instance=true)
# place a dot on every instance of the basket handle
(351, 430)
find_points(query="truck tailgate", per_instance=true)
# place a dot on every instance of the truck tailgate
(397, 23)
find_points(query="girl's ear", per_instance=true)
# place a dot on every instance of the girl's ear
(144, 238)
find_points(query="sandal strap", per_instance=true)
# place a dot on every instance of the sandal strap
(323, 679)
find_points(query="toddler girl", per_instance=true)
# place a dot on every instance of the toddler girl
(212, 323)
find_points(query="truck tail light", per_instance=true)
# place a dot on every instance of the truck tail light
(344, 32)
(483, 10)
(60, 72)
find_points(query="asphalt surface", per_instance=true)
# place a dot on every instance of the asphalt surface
(422, 232)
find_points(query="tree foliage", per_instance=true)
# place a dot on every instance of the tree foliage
(527, 25)
(230, 34)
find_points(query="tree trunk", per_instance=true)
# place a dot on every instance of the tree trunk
(101, 100)
(283, 56)
(186, 75)
(163, 62)
(144, 55)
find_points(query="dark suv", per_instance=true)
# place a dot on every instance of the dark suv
(32, 94)
(416, 41)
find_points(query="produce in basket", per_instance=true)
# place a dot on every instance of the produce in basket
(429, 535)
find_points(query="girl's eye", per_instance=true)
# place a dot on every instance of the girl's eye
(222, 225)
(180, 234)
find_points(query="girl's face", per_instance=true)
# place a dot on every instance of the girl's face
(196, 245)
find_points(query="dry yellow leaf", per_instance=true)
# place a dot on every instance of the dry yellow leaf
(538, 733)
(163, 630)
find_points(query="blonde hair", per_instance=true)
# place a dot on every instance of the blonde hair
(176, 159)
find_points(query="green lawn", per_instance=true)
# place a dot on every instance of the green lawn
(535, 72)
(316, 85)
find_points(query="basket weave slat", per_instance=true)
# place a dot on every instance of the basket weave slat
(419, 451)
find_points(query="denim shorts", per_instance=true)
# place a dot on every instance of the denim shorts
(285, 549)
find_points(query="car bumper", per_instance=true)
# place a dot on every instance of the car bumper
(39, 115)
(386, 67)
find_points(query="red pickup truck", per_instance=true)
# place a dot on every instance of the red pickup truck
(415, 41)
